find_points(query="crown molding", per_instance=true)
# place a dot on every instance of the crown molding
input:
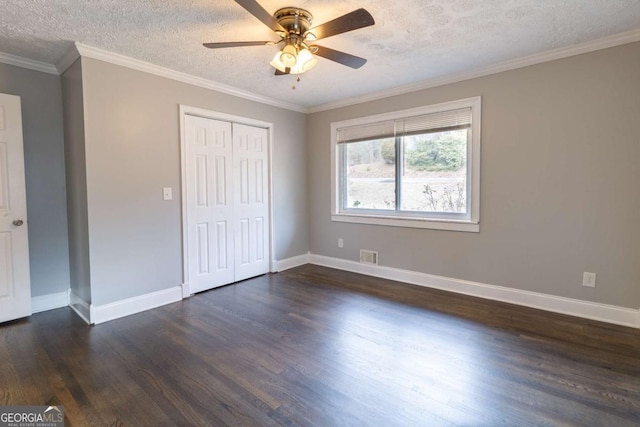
(68, 59)
(31, 64)
(135, 64)
(512, 64)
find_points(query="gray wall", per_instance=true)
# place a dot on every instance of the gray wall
(559, 184)
(72, 96)
(558, 197)
(40, 94)
(133, 150)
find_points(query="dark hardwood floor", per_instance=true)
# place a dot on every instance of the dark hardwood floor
(315, 346)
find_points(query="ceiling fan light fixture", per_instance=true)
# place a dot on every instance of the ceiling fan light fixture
(277, 63)
(288, 56)
(306, 61)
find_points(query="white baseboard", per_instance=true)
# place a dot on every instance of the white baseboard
(574, 307)
(286, 264)
(186, 290)
(80, 306)
(49, 302)
(126, 307)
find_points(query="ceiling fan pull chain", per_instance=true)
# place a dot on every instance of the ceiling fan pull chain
(294, 84)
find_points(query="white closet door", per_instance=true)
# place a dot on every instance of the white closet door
(209, 151)
(251, 203)
(15, 287)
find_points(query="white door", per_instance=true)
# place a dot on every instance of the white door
(227, 202)
(209, 151)
(15, 287)
(251, 214)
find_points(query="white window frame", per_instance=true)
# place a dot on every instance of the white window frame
(471, 224)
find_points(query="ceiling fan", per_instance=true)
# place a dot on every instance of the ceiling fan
(293, 26)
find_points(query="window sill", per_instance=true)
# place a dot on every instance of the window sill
(434, 224)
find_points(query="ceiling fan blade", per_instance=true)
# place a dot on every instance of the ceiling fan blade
(258, 11)
(235, 44)
(281, 73)
(340, 57)
(359, 18)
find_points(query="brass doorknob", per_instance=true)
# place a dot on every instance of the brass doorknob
(18, 222)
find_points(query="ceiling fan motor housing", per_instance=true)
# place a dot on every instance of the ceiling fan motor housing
(295, 20)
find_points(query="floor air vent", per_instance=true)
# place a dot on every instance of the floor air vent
(368, 257)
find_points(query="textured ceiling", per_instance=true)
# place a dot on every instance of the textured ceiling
(412, 41)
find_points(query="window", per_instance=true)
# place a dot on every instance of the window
(414, 168)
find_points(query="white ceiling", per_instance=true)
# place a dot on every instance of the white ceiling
(412, 41)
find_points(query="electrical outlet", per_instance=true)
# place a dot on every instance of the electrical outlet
(589, 279)
(340, 243)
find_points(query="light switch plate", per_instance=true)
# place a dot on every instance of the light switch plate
(167, 193)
